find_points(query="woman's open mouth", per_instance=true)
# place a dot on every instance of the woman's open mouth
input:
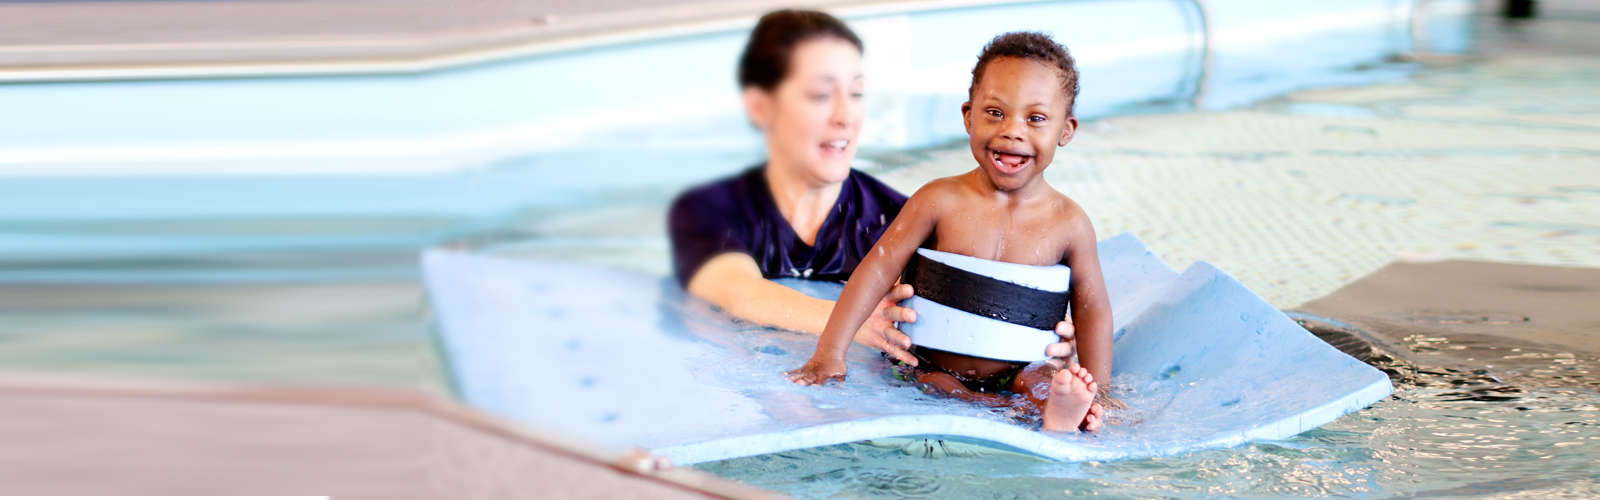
(1008, 162)
(835, 149)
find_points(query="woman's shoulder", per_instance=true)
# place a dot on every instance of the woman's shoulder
(868, 186)
(728, 194)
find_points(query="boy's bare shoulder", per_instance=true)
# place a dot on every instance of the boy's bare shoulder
(937, 191)
(944, 186)
(1071, 212)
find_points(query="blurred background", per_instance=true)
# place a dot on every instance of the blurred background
(238, 190)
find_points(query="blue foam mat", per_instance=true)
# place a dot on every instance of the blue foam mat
(630, 360)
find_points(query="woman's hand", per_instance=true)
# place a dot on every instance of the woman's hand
(1068, 344)
(879, 331)
(819, 370)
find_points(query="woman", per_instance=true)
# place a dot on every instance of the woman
(804, 213)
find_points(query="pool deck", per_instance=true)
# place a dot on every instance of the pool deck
(99, 40)
(80, 436)
(1502, 306)
(69, 39)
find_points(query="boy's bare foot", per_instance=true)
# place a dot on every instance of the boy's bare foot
(1071, 393)
(1092, 422)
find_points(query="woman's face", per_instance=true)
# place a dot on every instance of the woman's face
(813, 118)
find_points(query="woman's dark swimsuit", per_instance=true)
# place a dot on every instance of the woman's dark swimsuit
(738, 214)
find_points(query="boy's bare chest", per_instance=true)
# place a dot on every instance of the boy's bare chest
(1007, 237)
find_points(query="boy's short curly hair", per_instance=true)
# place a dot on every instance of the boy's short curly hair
(1038, 47)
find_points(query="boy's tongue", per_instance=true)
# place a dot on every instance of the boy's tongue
(1011, 160)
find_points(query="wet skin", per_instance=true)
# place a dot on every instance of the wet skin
(1004, 211)
(964, 367)
(1072, 388)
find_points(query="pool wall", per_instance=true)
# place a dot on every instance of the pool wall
(453, 151)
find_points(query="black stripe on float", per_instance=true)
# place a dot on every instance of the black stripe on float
(984, 296)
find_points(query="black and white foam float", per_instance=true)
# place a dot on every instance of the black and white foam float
(985, 308)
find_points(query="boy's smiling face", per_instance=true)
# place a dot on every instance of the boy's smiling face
(1016, 119)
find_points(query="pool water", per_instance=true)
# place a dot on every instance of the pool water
(1418, 443)
(1431, 439)
(1488, 157)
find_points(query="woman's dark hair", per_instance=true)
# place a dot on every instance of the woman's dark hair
(1038, 47)
(765, 62)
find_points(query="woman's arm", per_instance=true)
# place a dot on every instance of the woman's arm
(872, 279)
(733, 282)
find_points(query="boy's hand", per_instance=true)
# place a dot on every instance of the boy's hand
(879, 331)
(1068, 344)
(819, 370)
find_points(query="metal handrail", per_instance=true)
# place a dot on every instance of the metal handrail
(1207, 55)
(1419, 30)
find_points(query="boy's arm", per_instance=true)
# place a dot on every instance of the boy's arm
(871, 280)
(1091, 308)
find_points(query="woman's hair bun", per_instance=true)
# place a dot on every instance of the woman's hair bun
(765, 62)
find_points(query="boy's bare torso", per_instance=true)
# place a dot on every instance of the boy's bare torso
(1032, 226)
(973, 219)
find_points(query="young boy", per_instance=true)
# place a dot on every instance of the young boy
(1020, 109)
